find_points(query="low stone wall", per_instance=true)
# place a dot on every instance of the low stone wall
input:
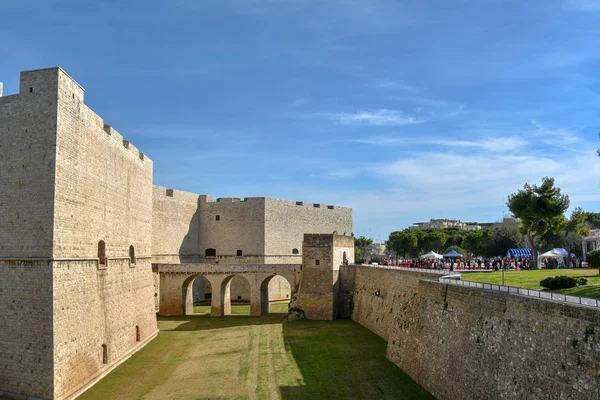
(468, 343)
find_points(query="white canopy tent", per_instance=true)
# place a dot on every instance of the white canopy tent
(432, 255)
(555, 253)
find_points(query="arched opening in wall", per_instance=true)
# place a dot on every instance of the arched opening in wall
(235, 295)
(294, 251)
(210, 253)
(132, 254)
(201, 295)
(344, 259)
(102, 252)
(104, 354)
(275, 293)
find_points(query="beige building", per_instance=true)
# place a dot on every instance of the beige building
(83, 225)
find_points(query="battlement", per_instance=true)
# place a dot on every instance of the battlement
(161, 191)
(55, 83)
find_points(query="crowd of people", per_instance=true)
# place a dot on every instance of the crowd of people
(496, 264)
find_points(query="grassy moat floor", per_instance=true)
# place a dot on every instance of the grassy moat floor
(531, 279)
(242, 357)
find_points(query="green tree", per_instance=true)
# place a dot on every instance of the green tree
(593, 259)
(540, 209)
(435, 240)
(501, 239)
(475, 242)
(403, 243)
(363, 244)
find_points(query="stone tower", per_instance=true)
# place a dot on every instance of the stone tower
(322, 255)
(76, 288)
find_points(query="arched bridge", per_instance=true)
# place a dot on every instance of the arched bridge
(176, 285)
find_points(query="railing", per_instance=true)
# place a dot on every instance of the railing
(397, 267)
(529, 292)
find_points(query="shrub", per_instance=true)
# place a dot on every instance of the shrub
(562, 282)
(593, 259)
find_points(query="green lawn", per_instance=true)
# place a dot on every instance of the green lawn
(244, 309)
(531, 279)
(243, 357)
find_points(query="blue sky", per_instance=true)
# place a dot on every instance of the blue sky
(402, 110)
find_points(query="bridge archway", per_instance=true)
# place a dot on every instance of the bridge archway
(265, 304)
(221, 304)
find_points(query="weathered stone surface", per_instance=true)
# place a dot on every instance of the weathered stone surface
(467, 343)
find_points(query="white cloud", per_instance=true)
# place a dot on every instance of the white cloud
(382, 117)
(559, 137)
(492, 144)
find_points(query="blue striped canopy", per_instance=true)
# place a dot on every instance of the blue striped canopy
(514, 253)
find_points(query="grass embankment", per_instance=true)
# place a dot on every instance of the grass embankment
(531, 280)
(203, 357)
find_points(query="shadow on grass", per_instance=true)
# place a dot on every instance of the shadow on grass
(201, 322)
(343, 360)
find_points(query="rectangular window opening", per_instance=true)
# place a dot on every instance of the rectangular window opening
(238, 253)
(317, 262)
(217, 218)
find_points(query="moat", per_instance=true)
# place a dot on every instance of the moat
(243, 357)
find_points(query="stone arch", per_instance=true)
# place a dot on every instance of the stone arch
(202, 290)
(187, 294)
(264, 292)
(221, 304)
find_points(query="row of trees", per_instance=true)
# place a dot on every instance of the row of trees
(543, 224)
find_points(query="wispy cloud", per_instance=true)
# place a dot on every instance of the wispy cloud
(555, 136)
(383, 117)
(492, 144)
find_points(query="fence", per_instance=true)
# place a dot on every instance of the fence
(586, 301)
(425, 270)
(528, 292)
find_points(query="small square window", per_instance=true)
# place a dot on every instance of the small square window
(217, 218)
(238, 253)
(239, 297)
(317, 262)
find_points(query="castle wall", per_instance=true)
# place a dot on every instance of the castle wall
(379, 294)
(286, 222)
(176, 226)
(95, 307)
(103, 184)
(27, 164)
(467, 343)
(498, 345)
(240, 227)
(26, 357)
(103, 192)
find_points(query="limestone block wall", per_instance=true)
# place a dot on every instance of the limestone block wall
(378, 294)
(468, 343)
(176, 226)
(93, 307)
(26, 328)
(228, 225)
(103, 183)
(287, 221)
(27, 164)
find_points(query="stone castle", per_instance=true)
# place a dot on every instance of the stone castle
(83, 226)
(90, 248)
